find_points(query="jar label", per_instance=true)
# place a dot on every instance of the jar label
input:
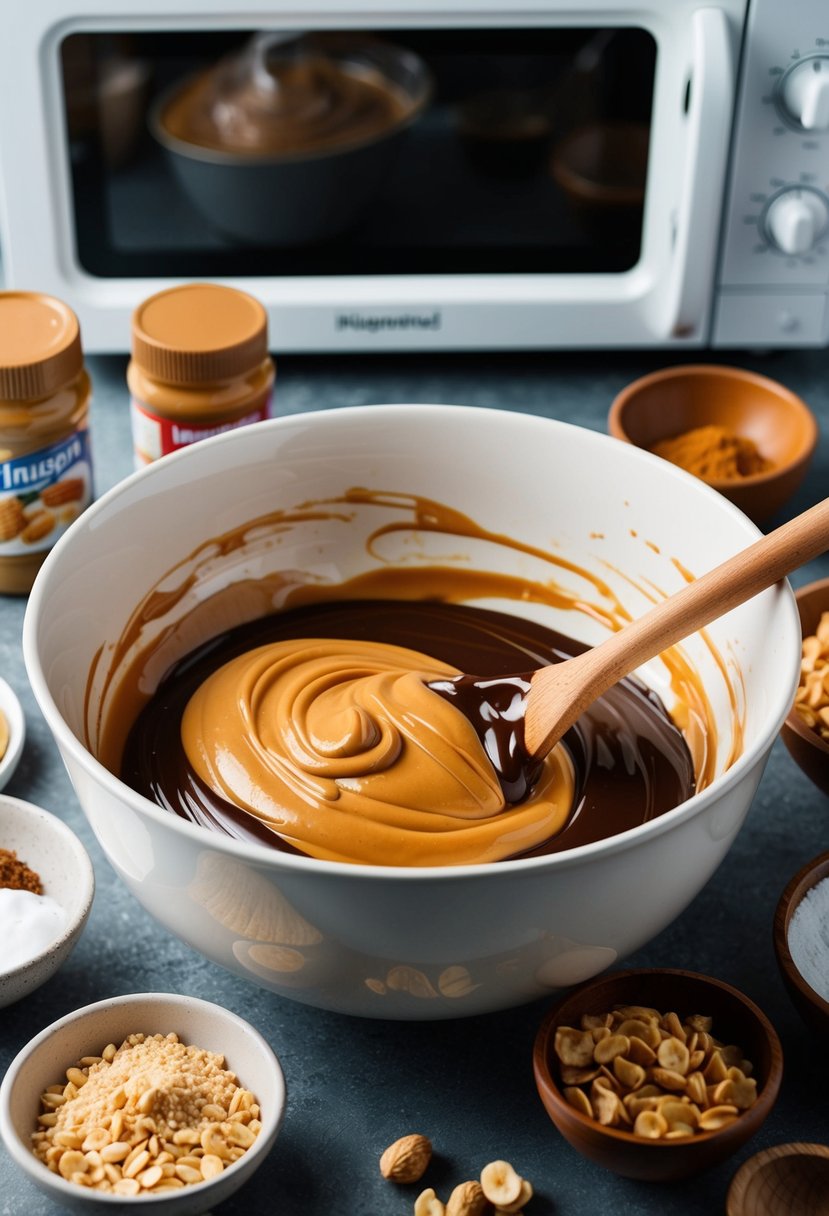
(154, 436)
(42, 493)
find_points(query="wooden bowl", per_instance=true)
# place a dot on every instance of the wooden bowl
(805, 745)
(786, 1180)
(736, 1019)
(811, 1006)
(669, 402)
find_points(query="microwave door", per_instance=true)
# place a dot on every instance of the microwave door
(680, 305)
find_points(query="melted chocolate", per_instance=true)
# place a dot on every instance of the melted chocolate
(631, 762)
(496, 709)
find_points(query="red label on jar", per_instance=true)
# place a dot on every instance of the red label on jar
(154, 436)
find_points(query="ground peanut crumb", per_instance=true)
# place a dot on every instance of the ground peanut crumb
(149, 1116)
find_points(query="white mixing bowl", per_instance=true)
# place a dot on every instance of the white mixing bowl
(409, 942)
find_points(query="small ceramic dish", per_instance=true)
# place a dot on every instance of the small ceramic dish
(794, 945)
(12, 732)
(86, 1031)
(804, 744)
(678, 399)
(735, 1021)
(53, 851)
(785, 1180)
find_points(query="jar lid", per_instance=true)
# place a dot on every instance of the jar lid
(199, 333)
(40, 345)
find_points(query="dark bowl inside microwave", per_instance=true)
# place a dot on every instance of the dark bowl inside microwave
(294, 196)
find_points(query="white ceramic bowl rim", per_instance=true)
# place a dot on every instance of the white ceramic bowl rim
(260, 854)
(81, 865)
(23, 1155)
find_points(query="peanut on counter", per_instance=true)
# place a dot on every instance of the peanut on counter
(501, 1190)
(150, 1116)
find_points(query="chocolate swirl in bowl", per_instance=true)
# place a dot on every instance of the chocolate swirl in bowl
(302, 731)
(291, 707)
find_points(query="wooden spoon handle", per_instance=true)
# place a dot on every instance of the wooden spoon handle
(560, 692)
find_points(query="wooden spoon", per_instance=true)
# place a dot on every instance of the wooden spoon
(554, 696)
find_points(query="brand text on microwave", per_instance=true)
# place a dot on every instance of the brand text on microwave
(376, 323)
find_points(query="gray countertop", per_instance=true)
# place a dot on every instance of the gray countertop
(354, 1085)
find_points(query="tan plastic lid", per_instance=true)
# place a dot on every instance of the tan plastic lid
(199, 333)
(40, 345)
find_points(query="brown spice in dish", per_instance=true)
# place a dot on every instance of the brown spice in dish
(15, 874)
(713, 453)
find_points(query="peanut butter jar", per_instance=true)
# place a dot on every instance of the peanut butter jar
(199, 366)
(45, 456)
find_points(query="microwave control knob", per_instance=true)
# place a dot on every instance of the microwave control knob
(796, 220)
(805, 93)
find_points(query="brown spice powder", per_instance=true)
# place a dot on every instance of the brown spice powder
(713, 453)
(16, 875)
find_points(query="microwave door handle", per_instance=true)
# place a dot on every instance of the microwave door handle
(697, 227)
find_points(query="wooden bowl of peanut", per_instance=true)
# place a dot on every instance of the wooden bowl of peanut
(806, 729)
(657, 1074)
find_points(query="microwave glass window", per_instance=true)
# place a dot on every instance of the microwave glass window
(459, 151)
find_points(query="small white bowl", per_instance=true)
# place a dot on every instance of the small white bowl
(44, 1060)
(12, 711)
(54, 852)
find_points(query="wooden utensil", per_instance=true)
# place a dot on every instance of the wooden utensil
(560, 692)
(520, 718)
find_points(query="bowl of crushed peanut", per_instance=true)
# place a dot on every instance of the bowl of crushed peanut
(806, 729)
(47, 885)
(163, 1099)
(746, 435)
(657, 1074)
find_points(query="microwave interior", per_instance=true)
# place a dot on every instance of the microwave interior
(525, 150)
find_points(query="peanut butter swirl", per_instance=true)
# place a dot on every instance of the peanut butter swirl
(341, 749)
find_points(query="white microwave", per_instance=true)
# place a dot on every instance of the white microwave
(557, 175)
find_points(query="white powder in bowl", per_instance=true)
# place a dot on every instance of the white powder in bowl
(29, 924)
(809, 938)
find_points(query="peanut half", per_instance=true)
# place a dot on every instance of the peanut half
(501, 1184)
(428, 1204)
